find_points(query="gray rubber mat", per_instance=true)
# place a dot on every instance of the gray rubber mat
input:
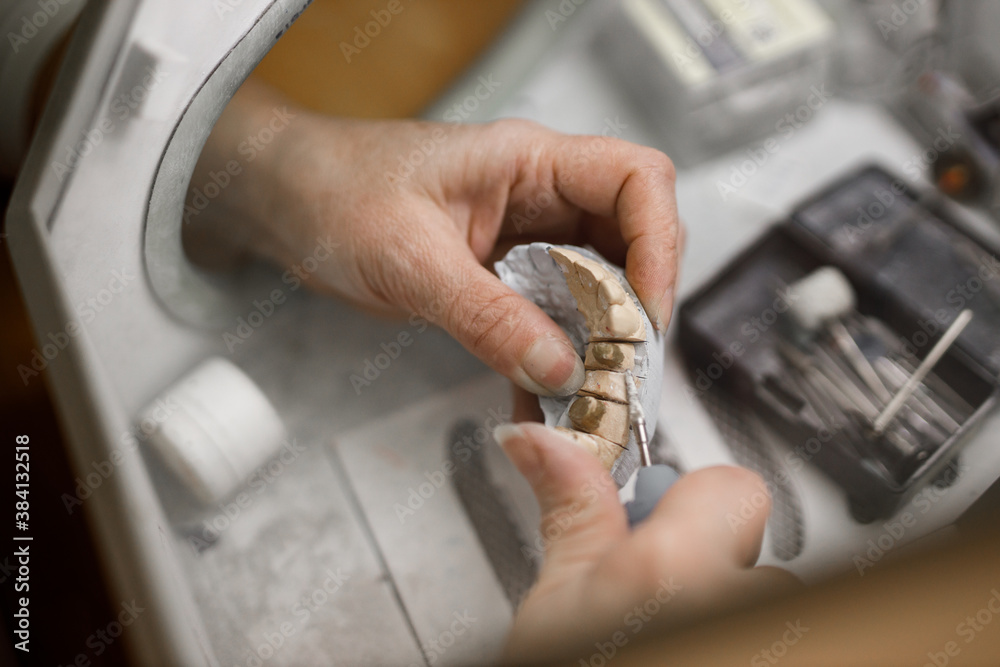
(743, 436)
(490, 513)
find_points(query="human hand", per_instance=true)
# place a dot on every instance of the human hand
(418, 208)
(600, 578)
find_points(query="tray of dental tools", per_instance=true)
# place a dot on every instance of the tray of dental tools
(865, 328)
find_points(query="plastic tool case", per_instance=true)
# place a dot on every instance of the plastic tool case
(913, 270)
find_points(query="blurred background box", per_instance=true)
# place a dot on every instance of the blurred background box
(714, 74)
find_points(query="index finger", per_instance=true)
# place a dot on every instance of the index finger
(634, 184)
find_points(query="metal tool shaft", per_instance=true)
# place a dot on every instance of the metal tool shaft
(949, 337)
(638, 419)
(849, 348)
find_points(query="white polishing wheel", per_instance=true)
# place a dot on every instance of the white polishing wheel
(821, 296)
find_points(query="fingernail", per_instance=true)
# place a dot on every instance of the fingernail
(503, 433)
(518, 448)
(664, 310)
(551, 366)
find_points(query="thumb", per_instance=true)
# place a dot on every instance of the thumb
(578, 499)
(506, 331)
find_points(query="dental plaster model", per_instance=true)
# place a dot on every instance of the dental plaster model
(591, 300)
(601, 409)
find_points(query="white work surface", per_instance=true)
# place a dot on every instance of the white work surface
(338, 509)
(409, 578)
(318, 568)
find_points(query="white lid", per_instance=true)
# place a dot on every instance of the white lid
(217, 429)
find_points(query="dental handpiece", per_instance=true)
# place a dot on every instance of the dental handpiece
(652, 481)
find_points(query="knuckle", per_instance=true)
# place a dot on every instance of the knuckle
(588, 149)
(658, 165)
